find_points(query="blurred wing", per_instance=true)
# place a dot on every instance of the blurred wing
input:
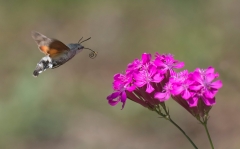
(48, 46)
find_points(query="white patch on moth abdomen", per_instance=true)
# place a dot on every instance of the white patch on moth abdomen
(40, 64)
(50, 65)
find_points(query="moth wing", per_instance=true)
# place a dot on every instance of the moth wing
(56, 48)
(48, 46)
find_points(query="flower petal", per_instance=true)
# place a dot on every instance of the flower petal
(209, 101)
(117, 85)
(113, 96)
(113, 103)
(197, 77)
(167, 96)
(131, 88)
(123, 96)
(179, 65)
(123, 99)
(149, 88)
(146, 58)
(186, 94)
(192, 102)
(138, 76)
(210, 77)
(140, 83)
(210, 69)
(162, 96)
(195, 87)
(117, 77)
(217, 84)
(152, 70)
(209, 93)
(177, 90)
(157, 78)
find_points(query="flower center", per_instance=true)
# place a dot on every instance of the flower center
(148, 77)
(206, 84)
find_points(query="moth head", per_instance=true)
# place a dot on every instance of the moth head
(78, 47)
(75, 47)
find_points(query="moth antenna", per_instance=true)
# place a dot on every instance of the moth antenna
(80, 40)
(93, 54)
(85, 40)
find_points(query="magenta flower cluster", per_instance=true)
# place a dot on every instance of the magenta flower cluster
(150, 82)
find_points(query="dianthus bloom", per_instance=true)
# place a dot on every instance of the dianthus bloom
(151, 82)
(196, 91)
(143, 79)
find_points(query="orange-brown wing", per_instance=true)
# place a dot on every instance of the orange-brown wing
(57, 47)
(48, 46)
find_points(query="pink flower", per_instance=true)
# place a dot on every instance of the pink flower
(138, 65)
(121, 84)
(167, 62)
(139, 84)
(181, 83)
(118, 96)
(196, 91)
(165, 94)
(204, 86)
(145, 77)
(151, 82)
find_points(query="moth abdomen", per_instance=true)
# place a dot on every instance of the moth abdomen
(43, 64)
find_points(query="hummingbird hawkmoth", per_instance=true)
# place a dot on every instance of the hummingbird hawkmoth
(57, 53)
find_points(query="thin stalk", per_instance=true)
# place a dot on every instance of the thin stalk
(167, 117)
(209, 137)
(183, 132)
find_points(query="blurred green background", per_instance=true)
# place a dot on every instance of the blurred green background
(66, 108)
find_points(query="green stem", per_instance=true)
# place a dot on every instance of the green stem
(182, 132)
(209, 137)
(167, 117)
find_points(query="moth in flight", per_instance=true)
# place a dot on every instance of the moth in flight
(57, 53)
